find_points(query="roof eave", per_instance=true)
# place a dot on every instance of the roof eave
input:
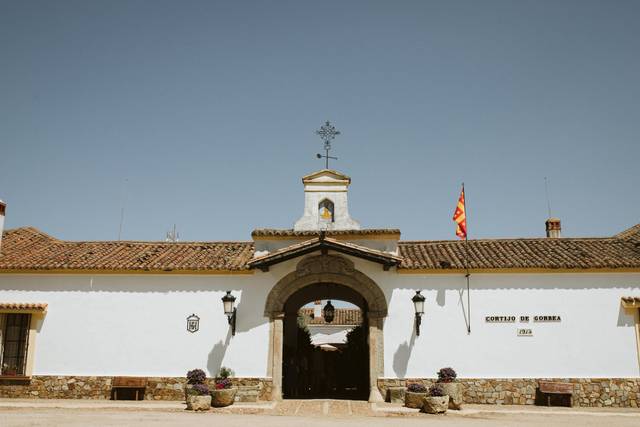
(323, 245)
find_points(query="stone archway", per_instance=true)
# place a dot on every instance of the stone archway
(326, 269)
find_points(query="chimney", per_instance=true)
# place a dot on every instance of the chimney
(317, 309)
(553, 228)
(3, 205)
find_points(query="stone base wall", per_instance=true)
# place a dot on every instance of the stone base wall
(68, 387)
(587, 392)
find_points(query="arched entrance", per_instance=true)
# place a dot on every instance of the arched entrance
(325, 358)
(335, 270)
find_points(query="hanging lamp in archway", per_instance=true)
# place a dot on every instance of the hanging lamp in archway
(328, 312)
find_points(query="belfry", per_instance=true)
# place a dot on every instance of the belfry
(326, 202)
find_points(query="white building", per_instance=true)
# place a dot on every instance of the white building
(77, 314)
(330, 334)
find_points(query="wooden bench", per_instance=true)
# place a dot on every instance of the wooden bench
(547, 389)
(129, 383)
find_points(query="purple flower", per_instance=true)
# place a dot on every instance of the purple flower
(201, 389)
(436, 390)
(416, 388)
(446, 375)
(196, 376)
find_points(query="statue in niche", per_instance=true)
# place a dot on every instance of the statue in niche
(325, 211)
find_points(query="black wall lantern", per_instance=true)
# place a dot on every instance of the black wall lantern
(228, 301)
(328, 312)
(418, 305)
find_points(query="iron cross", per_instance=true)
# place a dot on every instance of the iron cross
(327, 133)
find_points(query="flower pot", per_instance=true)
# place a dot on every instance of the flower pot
(396, 394)
(413, 400)
(435, 404)
(187, 390)
(454, 391)
(223, 397)
(198, 403)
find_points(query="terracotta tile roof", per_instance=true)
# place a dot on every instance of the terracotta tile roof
(630, 233)
(273, 232)
(631, 302)
(30, 249)
(343, 316)
(18, 306)
(561, 253)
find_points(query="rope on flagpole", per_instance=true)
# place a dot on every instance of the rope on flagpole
(466, 262)
(460, 218)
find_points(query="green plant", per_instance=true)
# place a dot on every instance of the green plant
(225, 372)
(303, 321)
(9, 369)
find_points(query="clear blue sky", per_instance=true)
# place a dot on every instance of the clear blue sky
(208, 110)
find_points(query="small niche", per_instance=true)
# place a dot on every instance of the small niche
(326, 211)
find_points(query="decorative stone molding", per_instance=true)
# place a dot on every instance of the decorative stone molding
(324, 264)
(326, 269)
(318, 269)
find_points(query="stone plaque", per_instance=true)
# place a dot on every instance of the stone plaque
(193, 323)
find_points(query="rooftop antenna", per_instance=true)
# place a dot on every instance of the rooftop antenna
(122, 202)
(327, 133)
(173, 235)
(546, 190)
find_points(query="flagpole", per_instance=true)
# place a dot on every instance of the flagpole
(466, 262)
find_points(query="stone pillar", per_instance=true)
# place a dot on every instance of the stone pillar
(276, 359)
(375, 356)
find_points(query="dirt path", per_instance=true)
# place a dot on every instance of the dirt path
(10, 417)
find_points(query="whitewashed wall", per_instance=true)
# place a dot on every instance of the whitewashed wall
(324, 334)
(595, 338)
(136, 325)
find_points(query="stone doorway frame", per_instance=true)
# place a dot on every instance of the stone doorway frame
(318, 269)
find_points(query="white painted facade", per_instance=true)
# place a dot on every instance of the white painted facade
(328, 334)
(136, 325)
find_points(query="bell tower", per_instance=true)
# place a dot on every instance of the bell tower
(326, 204)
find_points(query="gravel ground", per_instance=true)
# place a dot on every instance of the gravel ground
(157, 417)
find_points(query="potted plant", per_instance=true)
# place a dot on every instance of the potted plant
(436, 402)
(224, 393)
(9, 370)
(414, 394)
(194, 377)
(199, 398)
(447, 381)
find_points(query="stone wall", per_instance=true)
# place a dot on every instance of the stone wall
(158, 388)
(593, 392)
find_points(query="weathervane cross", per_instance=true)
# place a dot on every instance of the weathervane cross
(327, 133)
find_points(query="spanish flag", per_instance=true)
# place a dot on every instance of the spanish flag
(460, 217)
